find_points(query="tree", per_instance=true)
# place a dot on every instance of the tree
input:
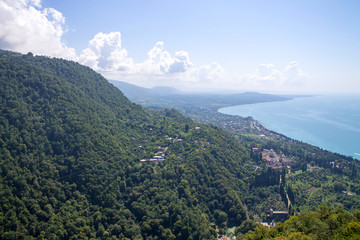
(246, 226)
(339, 187)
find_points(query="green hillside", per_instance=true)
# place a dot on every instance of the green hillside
(70, 151)
(307, 178)
(78, 160)
(324, 223)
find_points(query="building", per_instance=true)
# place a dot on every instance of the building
(278, 216)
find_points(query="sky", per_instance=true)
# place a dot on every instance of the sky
(301, 46)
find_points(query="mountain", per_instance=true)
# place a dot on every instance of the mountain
(167, 97)
(78, 160)
(130, 89)
(136, 91)
(71, 146)
(164, 90)
(296, 177)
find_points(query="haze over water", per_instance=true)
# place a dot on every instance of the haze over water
(329, 122)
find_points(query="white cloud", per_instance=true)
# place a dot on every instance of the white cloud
(104, 53)
(268, 76)
(25, 27)
(211, 73)
(181, 62)
(294, 75)
(158, 61)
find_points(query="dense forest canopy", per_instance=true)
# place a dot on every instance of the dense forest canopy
(71, 146)
(324, 223)
(78, 160)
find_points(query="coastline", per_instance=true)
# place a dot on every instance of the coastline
(303, 131)
(209, 109)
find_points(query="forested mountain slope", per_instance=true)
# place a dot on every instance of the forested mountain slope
(70, 151)
(297, 178)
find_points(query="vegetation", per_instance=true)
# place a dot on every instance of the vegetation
(70, 150)
(314, 176)
(71, 146)
(324, 223)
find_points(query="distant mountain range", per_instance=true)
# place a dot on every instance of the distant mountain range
(171, 97)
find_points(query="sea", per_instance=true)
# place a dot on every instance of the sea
(331, 122)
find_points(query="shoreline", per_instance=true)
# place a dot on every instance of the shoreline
(313, 140)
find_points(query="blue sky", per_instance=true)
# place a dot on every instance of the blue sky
(267, 46)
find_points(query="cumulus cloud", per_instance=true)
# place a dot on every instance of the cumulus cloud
(211, 73)
(267, 75)
(160, 62)
(294, 75)
(105, 53)
(25, 26)
(181, 62)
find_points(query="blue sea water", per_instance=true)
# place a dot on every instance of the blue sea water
(329, 122)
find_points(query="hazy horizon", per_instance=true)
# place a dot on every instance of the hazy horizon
(297, 47)
(235, 91)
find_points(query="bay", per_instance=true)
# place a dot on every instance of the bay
(329, 122)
